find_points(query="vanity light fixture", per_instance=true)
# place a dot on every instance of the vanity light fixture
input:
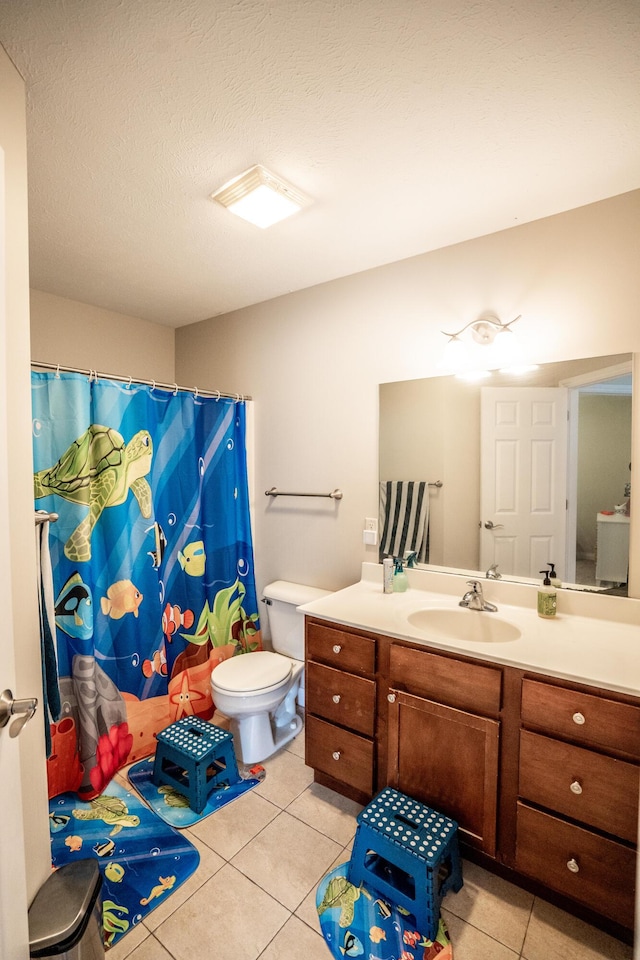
(480, 346)
(259, 196)
(520, 370)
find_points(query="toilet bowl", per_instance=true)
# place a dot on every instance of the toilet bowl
(260, 691)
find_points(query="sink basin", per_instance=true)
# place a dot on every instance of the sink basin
(458, 623)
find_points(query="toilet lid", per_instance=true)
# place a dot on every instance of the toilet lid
(251, 671)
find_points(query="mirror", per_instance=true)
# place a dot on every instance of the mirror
(431, 430)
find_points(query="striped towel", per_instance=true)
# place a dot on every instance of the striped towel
(52, 707)
(404, 507)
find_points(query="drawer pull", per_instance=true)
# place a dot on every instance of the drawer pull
(336, 754)
(337, 648)
(579, 719)
(336, 699)
(391, 697)
(573, 866)
(576, 787)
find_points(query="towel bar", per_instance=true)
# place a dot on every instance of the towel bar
(274, 492)
(42, 515)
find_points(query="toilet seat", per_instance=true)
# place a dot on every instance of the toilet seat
(261, 671)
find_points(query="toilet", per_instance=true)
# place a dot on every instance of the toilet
(259, 691)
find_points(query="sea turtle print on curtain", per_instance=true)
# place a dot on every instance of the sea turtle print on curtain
(152, 562)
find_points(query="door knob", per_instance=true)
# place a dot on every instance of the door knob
(22, 710)
(490, 525)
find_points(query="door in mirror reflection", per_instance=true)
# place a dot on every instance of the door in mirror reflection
(523, 479)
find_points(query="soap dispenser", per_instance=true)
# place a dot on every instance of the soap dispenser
(400, 579)
(553, 576)
(547, 598)
(387, 575)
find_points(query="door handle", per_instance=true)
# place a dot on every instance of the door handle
(490, 525)
(22, 710)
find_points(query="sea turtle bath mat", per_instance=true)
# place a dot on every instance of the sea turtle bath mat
(173, 807)
(356, 922)
(142, 860)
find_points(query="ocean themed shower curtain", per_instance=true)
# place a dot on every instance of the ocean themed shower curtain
(152, 562)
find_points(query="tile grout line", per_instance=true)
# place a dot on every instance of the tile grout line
(526, 930)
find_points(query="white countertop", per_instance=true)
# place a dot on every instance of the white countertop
(593, 639)
(613, 518)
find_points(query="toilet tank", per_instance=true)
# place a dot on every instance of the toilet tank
(285, 623)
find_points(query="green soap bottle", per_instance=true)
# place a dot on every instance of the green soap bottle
(547, 598)
(400, 579)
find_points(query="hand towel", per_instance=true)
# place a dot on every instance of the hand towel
(404, 507)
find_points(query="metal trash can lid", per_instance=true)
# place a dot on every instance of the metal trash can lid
(62, 907)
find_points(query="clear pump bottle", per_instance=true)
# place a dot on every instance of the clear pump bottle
(400, 579)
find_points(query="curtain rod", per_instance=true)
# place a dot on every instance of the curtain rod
(173, 387)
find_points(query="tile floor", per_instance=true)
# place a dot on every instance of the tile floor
(262, 857)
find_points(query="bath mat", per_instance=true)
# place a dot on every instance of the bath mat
(142, 860)
(173, 808)
(358, 923)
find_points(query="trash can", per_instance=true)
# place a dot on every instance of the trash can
(65, 918)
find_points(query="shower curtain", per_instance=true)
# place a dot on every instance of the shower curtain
(152, 562)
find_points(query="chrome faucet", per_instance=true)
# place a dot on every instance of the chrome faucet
(474, 598)
(492, 572)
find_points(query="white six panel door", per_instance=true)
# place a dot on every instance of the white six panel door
(523, 479)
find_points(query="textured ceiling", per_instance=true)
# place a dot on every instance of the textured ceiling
(413, 123)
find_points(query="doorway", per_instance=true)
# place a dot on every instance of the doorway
(599, 466)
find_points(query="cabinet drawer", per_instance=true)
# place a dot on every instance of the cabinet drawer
(457, 683)
(582, 717)
(581, 784)
(342, 755)
(341, 697)
(548, 848)
(337, 648)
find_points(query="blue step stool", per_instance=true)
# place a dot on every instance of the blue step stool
(408, 853)
(196, 758)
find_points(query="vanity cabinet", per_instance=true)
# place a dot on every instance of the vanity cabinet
(341, 709)
(444, 736)
(542, 775)
(577, 808)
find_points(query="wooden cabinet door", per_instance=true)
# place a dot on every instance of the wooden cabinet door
(448, 759)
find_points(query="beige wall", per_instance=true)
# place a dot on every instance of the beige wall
(20, 486)
(429, 430)
(76, 334)
(313, 361)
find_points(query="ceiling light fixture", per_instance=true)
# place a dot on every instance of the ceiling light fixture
(480, 345)
(259, 196)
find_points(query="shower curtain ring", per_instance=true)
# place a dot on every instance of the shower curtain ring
(129, 384)
(153, 385)
(195, 393)
(175, 392)
(58, 372)
(219, 395)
